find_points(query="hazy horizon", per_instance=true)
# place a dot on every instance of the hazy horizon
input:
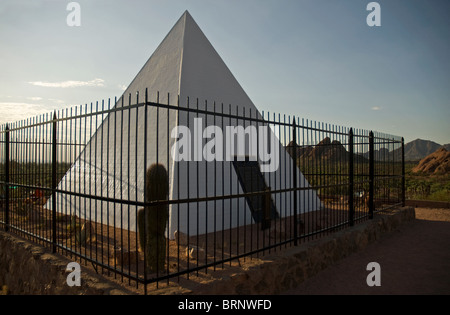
(318, 60)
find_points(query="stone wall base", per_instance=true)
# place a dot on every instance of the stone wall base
(27, 268)
(427, 204)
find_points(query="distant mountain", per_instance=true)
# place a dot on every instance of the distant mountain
(417, 150)
(437, 163)
(325, 150)
(382, 154)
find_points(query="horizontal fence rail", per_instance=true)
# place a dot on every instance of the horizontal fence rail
(149, 192)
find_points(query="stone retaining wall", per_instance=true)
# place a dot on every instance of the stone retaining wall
(427, 204)
(27, 268)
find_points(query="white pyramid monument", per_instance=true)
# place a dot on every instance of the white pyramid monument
(112, 164)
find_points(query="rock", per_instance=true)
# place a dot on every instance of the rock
(122, 257)
(5, 290)
(181, 238)
(195, 253)
(436, 163)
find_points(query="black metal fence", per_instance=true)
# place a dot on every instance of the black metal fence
(75, 180)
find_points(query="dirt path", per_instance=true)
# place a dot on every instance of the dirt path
(415, 259)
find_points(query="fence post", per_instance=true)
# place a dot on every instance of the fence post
(351, 210)
(294, 174)
(146, 228)
(371, 175)
(403, 174)
(7, 178)
(54, 182)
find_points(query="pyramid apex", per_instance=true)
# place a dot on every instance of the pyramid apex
(186, 13)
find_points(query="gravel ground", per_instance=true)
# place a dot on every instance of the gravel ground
(414, 260)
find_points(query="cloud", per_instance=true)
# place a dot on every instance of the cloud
(15, 111)
(34, 98)
(58, 101)
(70, 84)
(122, 87)
(376, 108)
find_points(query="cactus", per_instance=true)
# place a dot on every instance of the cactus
(152, 220)
(140, 228)
(73, 225)
(85, 234)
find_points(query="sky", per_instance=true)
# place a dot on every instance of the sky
(316, 59)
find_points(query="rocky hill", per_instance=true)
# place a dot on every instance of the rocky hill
(325, 150)
(417, 150)
(437, 163)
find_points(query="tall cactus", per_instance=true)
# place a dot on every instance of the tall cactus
(152, 220)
